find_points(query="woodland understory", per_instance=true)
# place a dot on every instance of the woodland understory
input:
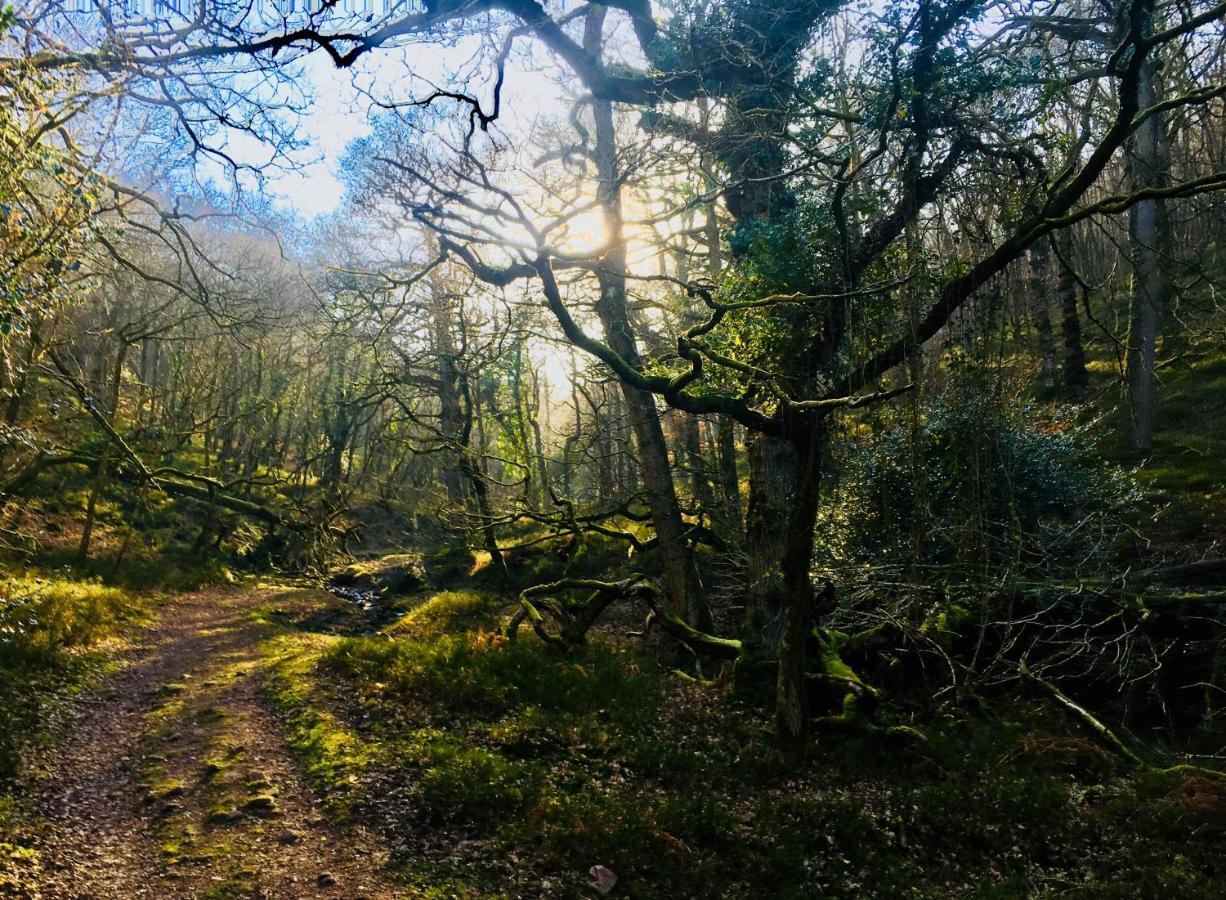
(711, 448)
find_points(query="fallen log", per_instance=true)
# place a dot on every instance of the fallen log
(1206, 571)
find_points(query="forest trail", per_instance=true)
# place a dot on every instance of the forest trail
(175, 780)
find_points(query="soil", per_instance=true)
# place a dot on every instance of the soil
(175, 781)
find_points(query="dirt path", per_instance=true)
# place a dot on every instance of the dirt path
(175, 781)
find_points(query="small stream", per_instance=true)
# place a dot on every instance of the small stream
(366, 599)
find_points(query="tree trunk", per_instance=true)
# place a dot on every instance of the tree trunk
(538, 443)
(451, 417)
(1039, 301)
(729, 482)
(681, 582)
(104, 459)
(700, 484)
(481, 496)
(1147, 230)
(785, 484)
(1076, 378)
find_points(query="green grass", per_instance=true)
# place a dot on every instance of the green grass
(1186, 472)
(510, 766)
(449, 611)
(50, 625)
(332, 755)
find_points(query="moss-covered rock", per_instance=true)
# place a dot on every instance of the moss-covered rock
(388, 575)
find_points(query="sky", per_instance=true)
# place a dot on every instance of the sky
(340, 112)
(336, 117)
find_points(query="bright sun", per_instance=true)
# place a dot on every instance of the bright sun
(584, 233)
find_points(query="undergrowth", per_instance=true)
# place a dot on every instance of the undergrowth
(50, 625)
(499, 768)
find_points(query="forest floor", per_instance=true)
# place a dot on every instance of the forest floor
(273, 740)
(175, 781)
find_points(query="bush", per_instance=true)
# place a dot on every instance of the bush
(41, 616)
(974, 481)
(483, 675)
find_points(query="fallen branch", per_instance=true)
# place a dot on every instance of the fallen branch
(1104, 734)
(165, 479)
(576, 618)
(1207, 570)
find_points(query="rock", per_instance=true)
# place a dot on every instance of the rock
(396, 574)
(167, 790)
(261, 805)
(326, 879)
(223, 816)
(288, 836)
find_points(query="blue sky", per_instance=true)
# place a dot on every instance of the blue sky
(339, 113)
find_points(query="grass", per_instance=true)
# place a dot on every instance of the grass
(332, 755)
(502, 768)
(51, 626)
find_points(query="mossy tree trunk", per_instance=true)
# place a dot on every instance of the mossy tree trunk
(681, 583)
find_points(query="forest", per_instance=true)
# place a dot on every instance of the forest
(648, 448)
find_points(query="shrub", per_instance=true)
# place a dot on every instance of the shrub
(973, 481)
(40, 616)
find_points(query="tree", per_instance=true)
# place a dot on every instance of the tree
(833, 161)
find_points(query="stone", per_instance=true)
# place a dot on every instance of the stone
(220, 816)
(261, 805)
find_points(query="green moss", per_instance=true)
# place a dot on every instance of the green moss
(450, 611)
(260, 805)
(1185, 473)
(394, 574)
(331, 753)
(164, 789)
(458, 779)
(449, 564)
(42, 614)
(210, 715)
(51, 625)
(485, 676)
(239, 885)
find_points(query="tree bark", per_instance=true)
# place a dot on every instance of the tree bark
(1147, 228)
(785, 482)
(451, 417)
(1076, 378)
(104, 459)
(1039, 301)
(681, 583)
(729, 482)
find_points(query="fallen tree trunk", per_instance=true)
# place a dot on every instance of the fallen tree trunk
(166, 479)
(180, 485)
